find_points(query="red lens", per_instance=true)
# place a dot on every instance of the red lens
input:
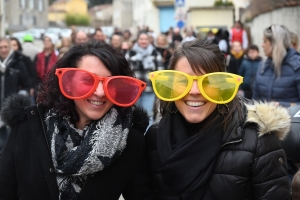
(77, 83)
(123, 91)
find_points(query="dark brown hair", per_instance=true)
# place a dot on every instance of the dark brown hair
(49, 93)
(202, 55)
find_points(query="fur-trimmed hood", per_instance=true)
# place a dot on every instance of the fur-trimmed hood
(269, 117)
(13, 112)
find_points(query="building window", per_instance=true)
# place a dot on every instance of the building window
(31, 4)
(22, 4)
(40, 5)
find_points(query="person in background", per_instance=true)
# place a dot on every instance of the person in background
(125, 47)
(47, 58)
(73, 33)
(210, 143)
(30, 49)
(13, 79)
(85, 138)
(223, 41)
(81, 37)
(145, 58)
(238, 33)
(235, 58)
(32, 74)
(210, 36)
(169, 35)
(294, 41)
(248, 70)
(116, 42)
(162, 46)
(62, 51)
(99, 35)
(189, 35)
(65, 42)
(176, 37)
(127, 35)
(278, 79)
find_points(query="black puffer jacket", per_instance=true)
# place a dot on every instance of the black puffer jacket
(27, 171)
(251, 163)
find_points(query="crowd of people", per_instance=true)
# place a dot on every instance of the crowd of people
(163, 117)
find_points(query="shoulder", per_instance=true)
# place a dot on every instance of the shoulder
(293, 59)
(13, 109)
(269, 118)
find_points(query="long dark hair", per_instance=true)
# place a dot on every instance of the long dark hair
(206, 55)
(49, 93)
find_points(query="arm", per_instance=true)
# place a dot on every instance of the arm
(269, 172)
(8, 180)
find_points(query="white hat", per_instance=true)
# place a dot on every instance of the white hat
(53, 38)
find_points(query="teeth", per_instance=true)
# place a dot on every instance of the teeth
(194, 104)
(97, 103)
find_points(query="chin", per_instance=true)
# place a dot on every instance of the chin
(194, 120)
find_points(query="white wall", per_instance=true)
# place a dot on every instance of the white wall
(288, 16)
(145, 13)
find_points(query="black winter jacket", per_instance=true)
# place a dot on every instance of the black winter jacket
(251, 163)
(26, 167)
(15, 76)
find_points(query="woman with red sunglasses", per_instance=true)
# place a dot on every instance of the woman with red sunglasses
(85, 138)
(211, 144)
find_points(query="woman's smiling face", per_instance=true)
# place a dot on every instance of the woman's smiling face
(97, 104)
(194, 107)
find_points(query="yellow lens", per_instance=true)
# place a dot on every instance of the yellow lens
(170, 85)
(219, 87)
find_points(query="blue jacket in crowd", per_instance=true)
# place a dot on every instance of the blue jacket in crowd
(248, 70)
(284, 89)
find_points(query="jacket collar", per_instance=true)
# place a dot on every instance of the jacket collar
(268, 117)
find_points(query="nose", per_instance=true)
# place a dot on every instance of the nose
(99, 90)
(195, 88)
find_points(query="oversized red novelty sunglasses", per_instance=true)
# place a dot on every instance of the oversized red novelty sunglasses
(76, 83)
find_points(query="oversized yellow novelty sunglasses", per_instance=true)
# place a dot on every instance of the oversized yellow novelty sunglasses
(217, 87)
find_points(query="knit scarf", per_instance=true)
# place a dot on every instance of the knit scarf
(188, 154)
(6, 61)
(41, 67)
(144, 55)
(76, 154)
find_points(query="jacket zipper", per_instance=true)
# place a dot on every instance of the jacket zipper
(232, 142)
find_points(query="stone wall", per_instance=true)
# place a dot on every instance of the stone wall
(288, 16)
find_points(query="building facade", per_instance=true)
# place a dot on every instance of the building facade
(60, 8)
(25, 14)
(160, 15)
(261, 14)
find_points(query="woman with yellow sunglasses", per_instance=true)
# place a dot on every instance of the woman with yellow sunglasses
(209, 143)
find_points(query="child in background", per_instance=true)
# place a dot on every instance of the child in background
(235, 58)
(248, 70)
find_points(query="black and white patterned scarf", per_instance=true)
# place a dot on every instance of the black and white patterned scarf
(79, 153)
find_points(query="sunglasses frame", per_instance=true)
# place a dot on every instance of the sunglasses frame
(236, 78)
(105, 80)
